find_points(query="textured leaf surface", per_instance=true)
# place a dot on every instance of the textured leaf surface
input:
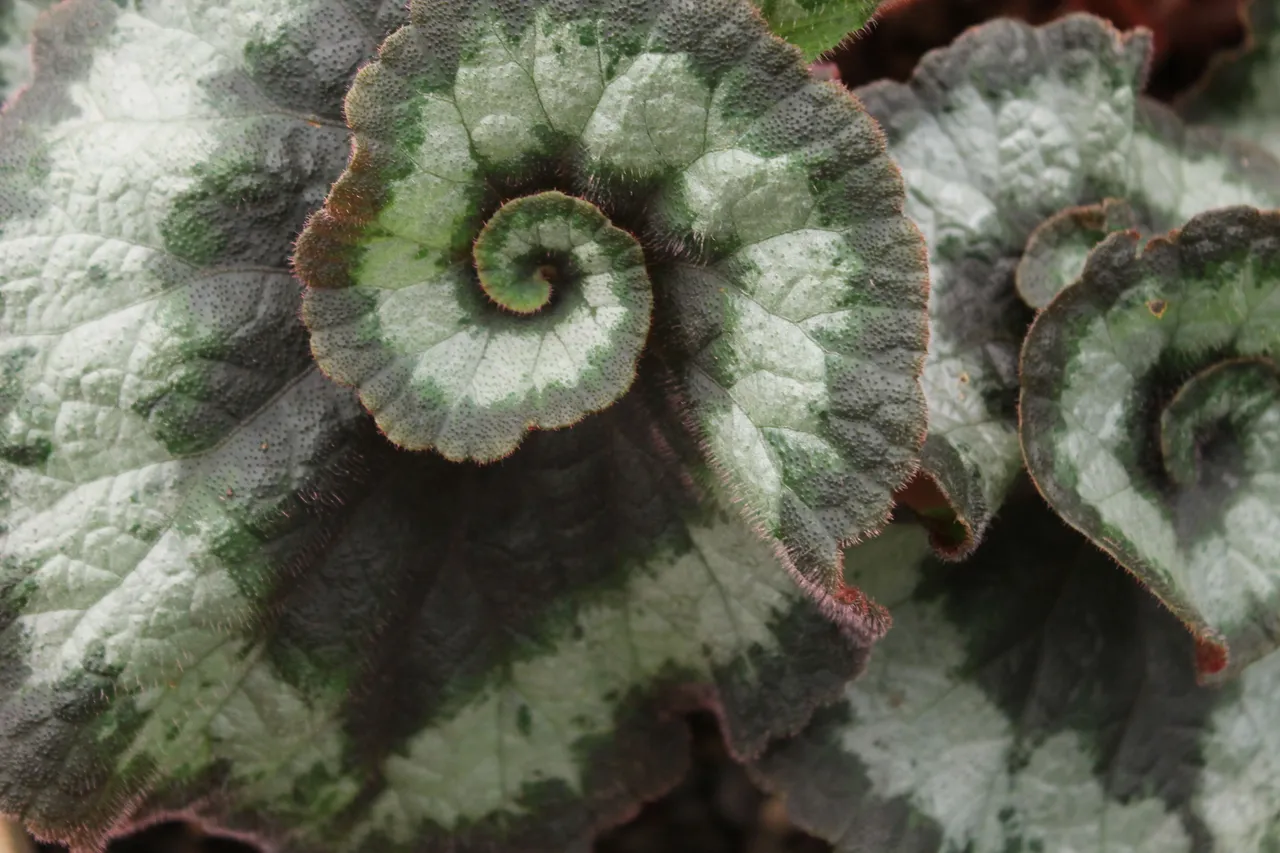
(1241, 97)
(788, 289)
(1058, 248)
(1034, 700)
(221, 588)
(994, 134)
(1113, 373)
(816, 26)
(17, 17)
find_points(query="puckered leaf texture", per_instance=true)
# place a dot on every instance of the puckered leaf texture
(1035, 699)
(996, 133)
(221, 588)
(1150, 419)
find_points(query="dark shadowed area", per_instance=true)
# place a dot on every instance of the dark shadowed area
(716, 809)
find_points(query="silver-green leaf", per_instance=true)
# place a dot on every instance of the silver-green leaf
(1150, 419)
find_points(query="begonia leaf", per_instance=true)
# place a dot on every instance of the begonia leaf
(1150, 419)
(788, 289)
(1057, 249)
(224, 592)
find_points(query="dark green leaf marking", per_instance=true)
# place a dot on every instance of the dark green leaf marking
(1150, 419)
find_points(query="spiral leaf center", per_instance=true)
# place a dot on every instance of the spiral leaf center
(536, 243)
(1232, 398)
(441, 370)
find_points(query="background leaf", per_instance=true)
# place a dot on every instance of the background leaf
(1112, 371)
(1240, 95)
(1006, 127)
(1037, 699)
(163, 431)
